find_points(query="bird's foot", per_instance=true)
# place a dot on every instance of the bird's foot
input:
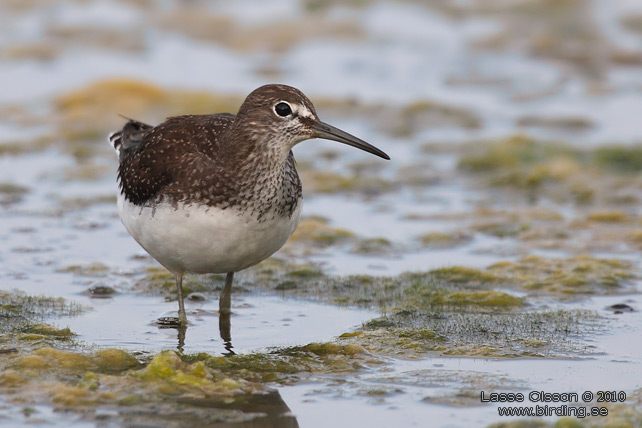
(171, 320)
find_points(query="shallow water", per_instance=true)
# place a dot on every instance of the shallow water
(615, 367)
(402, 53)
(258, 322)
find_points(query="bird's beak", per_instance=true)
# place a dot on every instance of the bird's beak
(329, 132)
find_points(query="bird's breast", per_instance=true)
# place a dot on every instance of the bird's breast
(190, 237)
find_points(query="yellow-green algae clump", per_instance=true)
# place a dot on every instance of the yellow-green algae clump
(444, 240)
(464, 275)
(91, 269)
(411, 333)
(159, 281)
(171, 375)
(318, 181)
(283, 364)
(573, 275)
(452, 286)
(555, 169)
(112, 377)
(45, 331)
(87, 113)
(318, 232)
(104, 361)
(23, 305)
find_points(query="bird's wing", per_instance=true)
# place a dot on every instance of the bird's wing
(149, 156)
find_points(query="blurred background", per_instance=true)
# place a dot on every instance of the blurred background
(514, 128)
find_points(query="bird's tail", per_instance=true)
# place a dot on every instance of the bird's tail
(129, 137)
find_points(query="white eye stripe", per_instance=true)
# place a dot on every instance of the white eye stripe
(303, 111)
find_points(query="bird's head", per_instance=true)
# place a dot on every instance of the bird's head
(287, 117)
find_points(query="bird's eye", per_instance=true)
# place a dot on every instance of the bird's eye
(283, 109)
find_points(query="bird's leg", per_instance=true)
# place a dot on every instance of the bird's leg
(224, 309)
(225, 301)
(182, 318)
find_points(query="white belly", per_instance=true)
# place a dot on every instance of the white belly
(200, 239)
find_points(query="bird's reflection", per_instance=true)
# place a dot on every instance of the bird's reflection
(224, 322)
(182, 330)
(270, 410)
(224, 327)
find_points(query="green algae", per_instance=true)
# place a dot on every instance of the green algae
(114, 378)
(465, 311)
(450, 288)
(427, 295)
(418, 114)
(13, 189)
(373, 246)
(86, 202)
(136, 97)
(303, 271)
(573, 275)
(37, 144)
(555, 170)
(569, 123)
(619, 159)
(87, 114)
(463, 275)
(42, 331)
(318, 181)
(511, 152)
(92, 269)
(68, 364)
(87, 171)
(258, 367)
(502, 229)
(286, 365)
(11, 193)
(487, 298)
(316, 231)
(546, 334)
(327, 349)
(23, 319)
(19, 305)
(444, 240)
(401, 120)
(171, 375)
(609, 217)
(159, 281)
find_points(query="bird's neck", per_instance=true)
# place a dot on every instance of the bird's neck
(266, 177)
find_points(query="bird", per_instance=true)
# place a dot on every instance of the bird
(218, 193)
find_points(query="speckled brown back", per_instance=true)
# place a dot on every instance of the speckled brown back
(195, 159)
